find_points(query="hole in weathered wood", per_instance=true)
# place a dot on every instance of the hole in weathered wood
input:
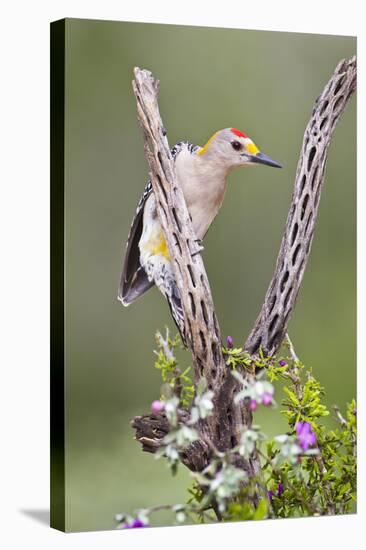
(284, 280)
(339, 85)
(161, 186)
(304, 205)
(307, 223)
(177, 220)
(218, 432)
(273, 322)
(314, 177)
(178, 266)
(311, 157)
(302, 185)
(323, 122)
(317, 195)
(257, 344)
(273, 303)
(287, 297)
(177, 243)
(203, 341)
(163, 211)
(160, 161)
(294, 233)
(295, 254)
(189, 267)
(337, 103)
(233, 441)
(275, 338)
(334, 122)
(214, 373)
(200, 366)
(193, 305)
(215, 353)
(204, 312)
(324, 106)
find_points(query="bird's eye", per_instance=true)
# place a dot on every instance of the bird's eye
(236, 145)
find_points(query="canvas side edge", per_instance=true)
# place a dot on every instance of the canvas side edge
(57, 391)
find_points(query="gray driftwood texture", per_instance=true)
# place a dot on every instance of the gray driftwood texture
(271, 325)
(202, 331)
(201, 326)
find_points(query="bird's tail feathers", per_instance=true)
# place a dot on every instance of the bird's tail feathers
(175, 305)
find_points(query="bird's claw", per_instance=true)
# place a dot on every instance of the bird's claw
(198, 251)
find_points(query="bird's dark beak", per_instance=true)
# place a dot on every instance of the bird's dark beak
(261, 158)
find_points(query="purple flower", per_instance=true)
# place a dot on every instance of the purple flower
(282, 363)
(230, 342)
(136, 523)
(280, 490)
(305, 435)
(157, 406)
(253, 405)
(267, 399)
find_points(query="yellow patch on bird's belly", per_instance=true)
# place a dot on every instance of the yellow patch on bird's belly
(157, 246)
(206, 146)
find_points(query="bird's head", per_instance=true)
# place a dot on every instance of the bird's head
(234, 149)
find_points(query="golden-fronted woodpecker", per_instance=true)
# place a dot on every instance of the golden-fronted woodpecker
(202, 173)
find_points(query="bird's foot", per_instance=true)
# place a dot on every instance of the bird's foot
(199, 249)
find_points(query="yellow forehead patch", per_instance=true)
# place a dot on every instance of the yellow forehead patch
(251, 147)
(206, 146)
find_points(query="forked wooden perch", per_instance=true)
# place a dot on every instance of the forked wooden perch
(201, 327)
(202, 330)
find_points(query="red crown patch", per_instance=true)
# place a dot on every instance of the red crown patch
(238, 133)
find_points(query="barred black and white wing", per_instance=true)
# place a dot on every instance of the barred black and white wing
(134, 280)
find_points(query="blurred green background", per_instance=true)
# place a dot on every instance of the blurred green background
(263, 83)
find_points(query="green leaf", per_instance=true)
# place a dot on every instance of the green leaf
(261, 510)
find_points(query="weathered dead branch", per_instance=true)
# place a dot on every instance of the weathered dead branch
(202, 329)
(271, 324)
